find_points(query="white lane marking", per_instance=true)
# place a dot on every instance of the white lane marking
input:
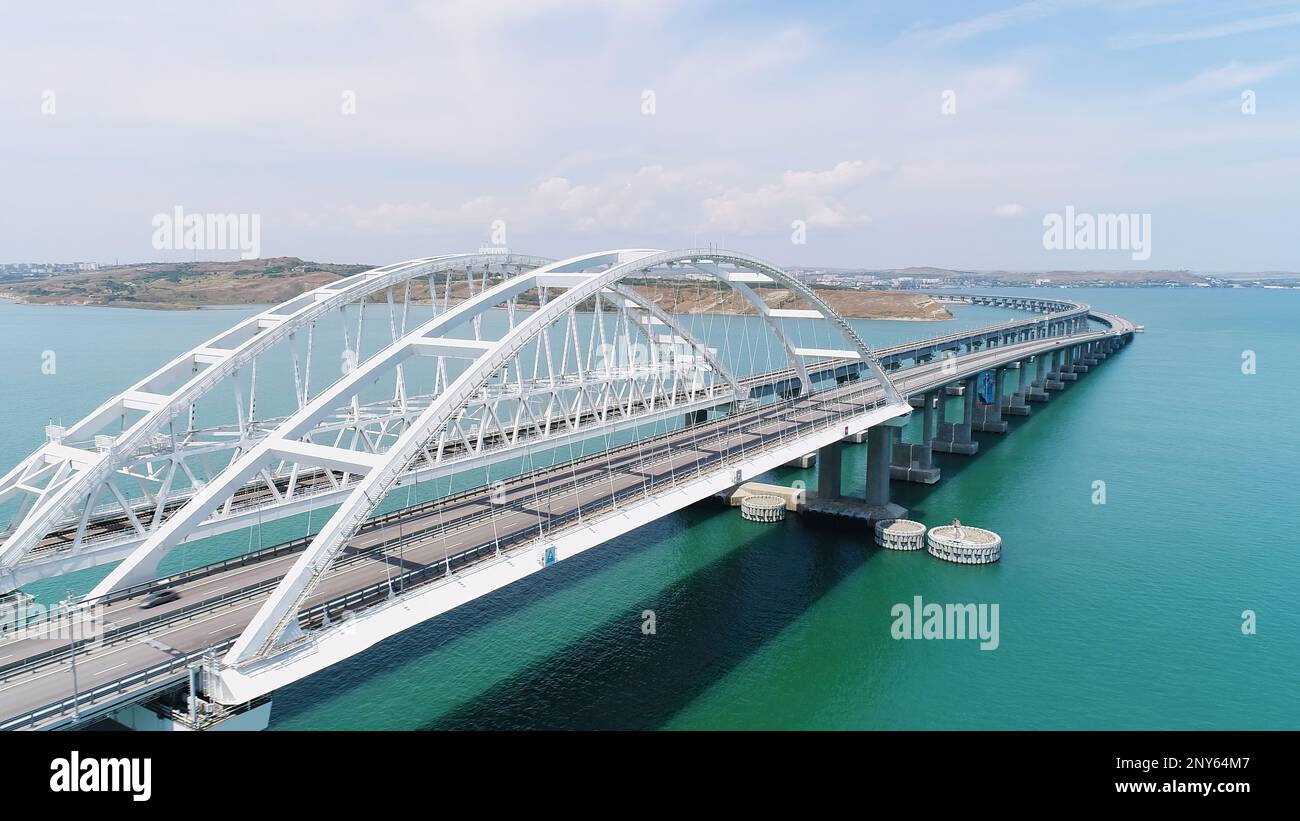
(109, 669)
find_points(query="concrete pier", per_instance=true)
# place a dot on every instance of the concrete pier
(914, 462)
(880, 443)
(954, 437)
(1015, 404)
(763, 508)
(964, 545)
(900, 534)
(1038, 388)
(795, 499)
(988, 418)
(1053, 381)
(876, 506)
(830, 470)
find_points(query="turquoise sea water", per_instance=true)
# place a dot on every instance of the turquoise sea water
(1124, 615)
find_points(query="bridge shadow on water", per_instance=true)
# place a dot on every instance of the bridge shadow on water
(615, 676)
(707, 624)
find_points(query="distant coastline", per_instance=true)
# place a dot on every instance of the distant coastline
(215, 285)
(896, 294)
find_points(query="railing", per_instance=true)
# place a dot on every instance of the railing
(116, 687)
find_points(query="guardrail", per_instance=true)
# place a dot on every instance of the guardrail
(117, 687)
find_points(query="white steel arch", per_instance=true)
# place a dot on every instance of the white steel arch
(276, 621)
(291, 439)
(76, 475)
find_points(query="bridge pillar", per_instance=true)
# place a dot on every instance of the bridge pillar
(1089, 358)
(988, 418)
(830, 475)
(1015, 404)
(955, 437)
(1054, 361)
(914, 463)
(880, 443)
(1070, 357)
(1038, 387)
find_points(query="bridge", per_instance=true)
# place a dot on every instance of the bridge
(543, 407)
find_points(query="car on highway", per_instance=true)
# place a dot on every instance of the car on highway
(159, 597)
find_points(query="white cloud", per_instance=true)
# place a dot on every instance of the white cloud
(1019, 15)
(1234, 75)
(673, 200)
(1013, 209)
(812, 196)
(1207, 33)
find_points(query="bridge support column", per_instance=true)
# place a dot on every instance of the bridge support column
(1038, 388)
(1069, 358)
(830, 475)
(1053, 381)
(1089, 357)
(914, 463)
(988, 418)
(955, 437)
(1014, 405)
(880, 443)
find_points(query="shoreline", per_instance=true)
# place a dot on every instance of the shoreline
(17, 299)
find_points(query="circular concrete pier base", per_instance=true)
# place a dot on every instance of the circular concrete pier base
(964, 545)
(763, 508)
(900, 534)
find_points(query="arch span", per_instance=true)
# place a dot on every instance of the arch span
(581, 279)
(76, 476)
(292, 438)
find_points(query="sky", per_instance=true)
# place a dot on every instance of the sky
(865, 134)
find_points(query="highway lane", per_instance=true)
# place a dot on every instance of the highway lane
(462, 524)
